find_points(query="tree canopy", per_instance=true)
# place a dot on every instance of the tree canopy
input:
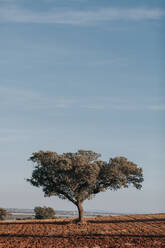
(79, 176)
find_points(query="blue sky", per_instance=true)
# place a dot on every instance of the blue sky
(82, 74)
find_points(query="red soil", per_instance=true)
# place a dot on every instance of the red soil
(134, 231)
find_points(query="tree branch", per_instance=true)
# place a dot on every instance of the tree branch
(67, 196)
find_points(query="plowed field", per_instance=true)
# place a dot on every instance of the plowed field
(117, 231)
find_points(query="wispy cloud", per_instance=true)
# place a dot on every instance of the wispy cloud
(159, 107)
(108, 62)
(13, 13)
(19, 99)
(16, 100)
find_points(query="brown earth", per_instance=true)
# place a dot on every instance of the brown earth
(131, 231)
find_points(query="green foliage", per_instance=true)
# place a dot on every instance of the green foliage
(79, 176)
(4, 214)
(25, 218)
(44, 213)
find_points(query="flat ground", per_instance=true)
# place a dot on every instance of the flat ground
(100, 232)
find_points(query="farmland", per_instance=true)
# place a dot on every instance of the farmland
(116, 231)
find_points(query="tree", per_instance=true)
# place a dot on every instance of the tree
(4, 214)
(44, 212)
(79, 176)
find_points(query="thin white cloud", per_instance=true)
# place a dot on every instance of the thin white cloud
(160, 107)
(108, 62)
(17, 134)
(115, 104)
(15, 100)
(13, 13)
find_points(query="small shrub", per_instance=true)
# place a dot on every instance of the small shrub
(25, 218)
(44, 213)
(4, 214)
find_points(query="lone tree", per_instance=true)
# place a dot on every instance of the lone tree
(79, 176)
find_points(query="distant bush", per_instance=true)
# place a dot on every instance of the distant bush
(44, 213)
(4, 214)
(25, 218)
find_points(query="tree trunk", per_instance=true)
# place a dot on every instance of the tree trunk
(80, 212)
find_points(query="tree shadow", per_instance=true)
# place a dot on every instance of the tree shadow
(91, 235)
(126, 221)
(34, 222)
(75, 221)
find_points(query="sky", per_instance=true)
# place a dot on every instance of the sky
(80, 74)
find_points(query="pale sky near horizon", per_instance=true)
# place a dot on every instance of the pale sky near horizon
(80, 74)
